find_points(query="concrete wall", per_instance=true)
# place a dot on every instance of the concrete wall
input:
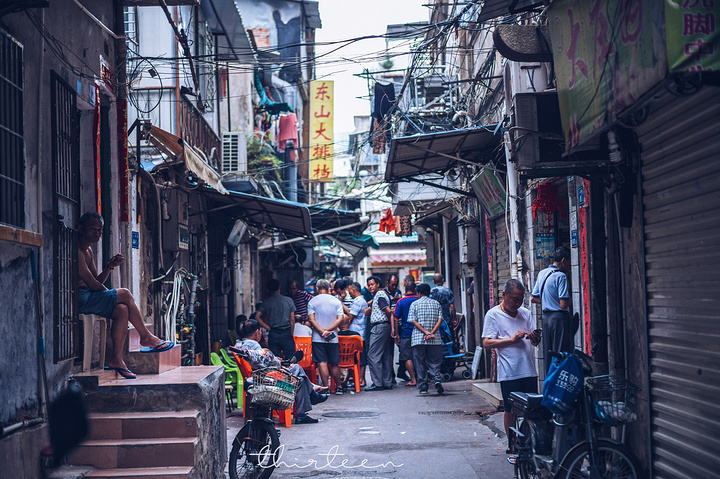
(64, 21)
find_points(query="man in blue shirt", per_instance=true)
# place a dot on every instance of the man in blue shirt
(552, 292)
(444, 295)
(405, 330)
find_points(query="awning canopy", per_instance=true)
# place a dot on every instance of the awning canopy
(437, 153)
(414, 256)
(356, 246)
(195, 160)
(326, 218)
(498, 8)
(292, 219)
(225, 22)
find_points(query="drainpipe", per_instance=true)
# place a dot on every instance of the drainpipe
(446, 252)
(511, 81)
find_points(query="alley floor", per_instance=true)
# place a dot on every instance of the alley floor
(396, 433)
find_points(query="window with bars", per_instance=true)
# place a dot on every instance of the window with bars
(12, 144)
(66, 206)
(131, 34)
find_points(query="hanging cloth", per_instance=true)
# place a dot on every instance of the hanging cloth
(384, 100)
(288, 130)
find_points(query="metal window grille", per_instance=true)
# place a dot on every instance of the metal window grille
(130, 19)
(12, 146)
(66, 199)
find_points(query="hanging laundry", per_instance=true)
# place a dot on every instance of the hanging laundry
(384, 100)
(387, 222)
(403, 226)
(288, 129)
(378, 136)
(380, 129)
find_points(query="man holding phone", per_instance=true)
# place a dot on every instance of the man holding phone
(325, 314)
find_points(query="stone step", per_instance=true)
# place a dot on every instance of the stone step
(144, 425)
(180, 389)
(136, 453)
(490, 392)
(153, 363)
(154, 472)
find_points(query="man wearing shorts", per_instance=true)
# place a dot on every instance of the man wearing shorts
(405, 330)
(325, 313)
(509, 330)
(117, 304)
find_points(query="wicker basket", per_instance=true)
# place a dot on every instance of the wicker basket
(613, 399)
(274, 388)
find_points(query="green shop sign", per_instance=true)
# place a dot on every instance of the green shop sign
(607, 54)
(691, 35)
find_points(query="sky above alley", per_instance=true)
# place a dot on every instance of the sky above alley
(347, 19)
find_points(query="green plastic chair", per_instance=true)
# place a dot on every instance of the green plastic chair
(232, 377)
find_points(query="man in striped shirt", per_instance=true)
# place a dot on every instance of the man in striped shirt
(427, 316)
(301, 298)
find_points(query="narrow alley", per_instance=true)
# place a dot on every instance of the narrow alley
(397, 434)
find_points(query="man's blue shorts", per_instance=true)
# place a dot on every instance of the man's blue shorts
(101, 303)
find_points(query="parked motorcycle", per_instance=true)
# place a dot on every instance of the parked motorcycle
(571, 446)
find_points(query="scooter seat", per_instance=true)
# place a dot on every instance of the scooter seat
(525, 402)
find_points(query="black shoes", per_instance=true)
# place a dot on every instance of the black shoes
(305, 419)
(439, 387)
(317, 398)
(374, 388)
(423, 391)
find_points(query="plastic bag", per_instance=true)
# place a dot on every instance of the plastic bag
(562, 385)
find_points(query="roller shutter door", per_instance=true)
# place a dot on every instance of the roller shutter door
(501, 256)
(681, 202)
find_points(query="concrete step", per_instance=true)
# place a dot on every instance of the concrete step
(180, 389)
(153, 472)
(153, 363)
(490, 392)
(136, 453)
(145, 425)
(149, 363)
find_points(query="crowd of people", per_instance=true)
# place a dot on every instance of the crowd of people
(380, 313)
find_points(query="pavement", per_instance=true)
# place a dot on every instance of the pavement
(396, 433)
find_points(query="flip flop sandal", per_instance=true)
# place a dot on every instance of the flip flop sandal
(124, 372)
(163, 346)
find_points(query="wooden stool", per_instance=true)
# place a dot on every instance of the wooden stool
(88, 330)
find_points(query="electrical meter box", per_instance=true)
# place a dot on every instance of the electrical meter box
(175, 233)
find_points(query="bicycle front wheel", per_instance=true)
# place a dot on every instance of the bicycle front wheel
(254, 452)
(614, 461)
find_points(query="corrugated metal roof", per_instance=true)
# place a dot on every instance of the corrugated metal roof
(411, 156)
(498, 8)
(224, 20)
(312, 14)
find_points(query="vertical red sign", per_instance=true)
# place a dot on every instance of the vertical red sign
(98, 182)
(123, 174)
(585, 267)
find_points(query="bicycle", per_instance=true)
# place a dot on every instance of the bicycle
(255, 449)
(571, 446)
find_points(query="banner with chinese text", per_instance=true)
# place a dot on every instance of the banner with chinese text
(607, 54)
(321, 130)
(691, 35)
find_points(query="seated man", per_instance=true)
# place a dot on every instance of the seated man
(117, 304)
(307, 393)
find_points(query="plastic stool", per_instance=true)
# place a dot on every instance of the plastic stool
(88, 330)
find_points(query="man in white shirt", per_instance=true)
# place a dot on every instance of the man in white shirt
(325, 313)
(509, 330)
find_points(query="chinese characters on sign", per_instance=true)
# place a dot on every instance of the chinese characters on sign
(321, 130)
(692, 34)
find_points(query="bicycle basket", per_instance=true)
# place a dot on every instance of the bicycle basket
(613, 399)
(274, 388)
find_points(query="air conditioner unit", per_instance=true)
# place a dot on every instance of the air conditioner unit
(538, 136)
(234, 152)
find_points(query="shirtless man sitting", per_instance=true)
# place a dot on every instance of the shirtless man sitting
(117, 304)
